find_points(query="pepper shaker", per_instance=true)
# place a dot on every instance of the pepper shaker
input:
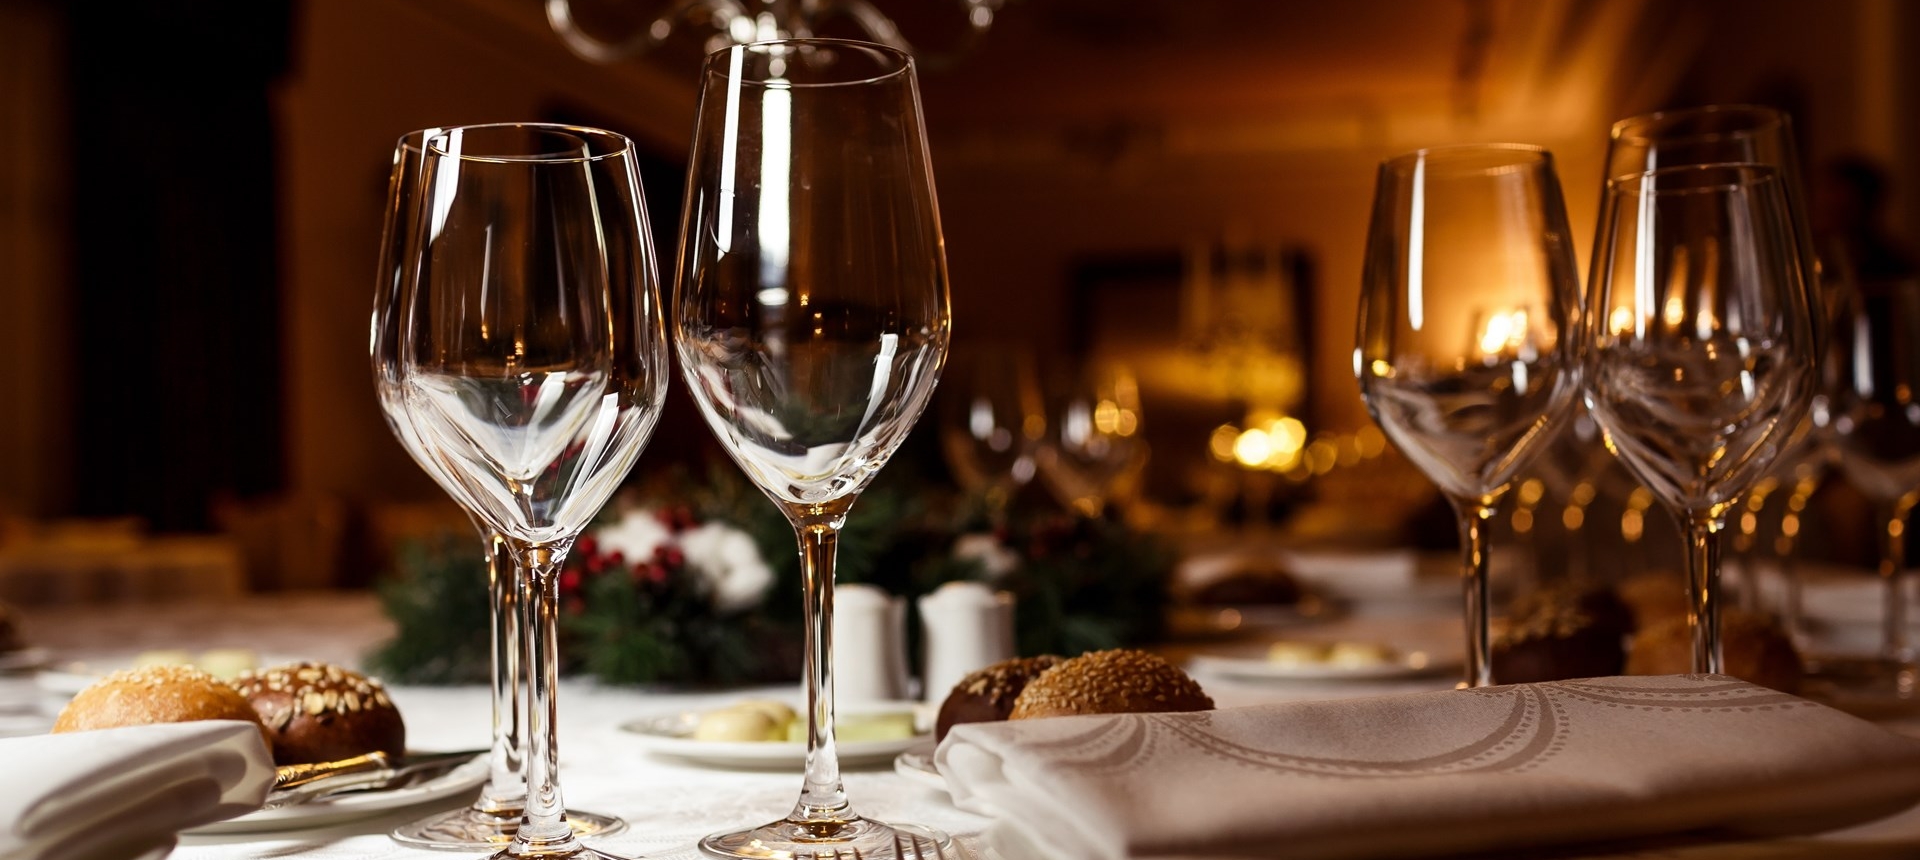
(965, 626)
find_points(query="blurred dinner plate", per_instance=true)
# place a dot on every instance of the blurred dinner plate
(22, 659)
(1398, 664)
(357, 804)
(67, 679)
(671, 735)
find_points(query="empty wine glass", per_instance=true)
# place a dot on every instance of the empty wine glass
(1875, 429)
(812, 322)
(991, 423)
(1702, 355)
(1095, 441)
(492, 818)
(531, 370)
(1468, 313)
(1723, 134)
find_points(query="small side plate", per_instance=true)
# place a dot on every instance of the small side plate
(671, 735)
(1406, 664)
(355, 804)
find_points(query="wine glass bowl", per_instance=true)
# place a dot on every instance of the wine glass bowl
(1469, 314)
(530, 370)
(811, 321)
(1701, 349)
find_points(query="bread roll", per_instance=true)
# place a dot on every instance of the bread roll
(1119, 681)
(156, 694)
(317, 712)
(1753, 647)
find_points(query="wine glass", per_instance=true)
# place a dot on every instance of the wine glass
(490, 821)
(1094, 438)
(811, 321)
(992, 422)
(1875, 429)
(1468, 314)
(1701, 350)
(1722, 134)
(531, 370)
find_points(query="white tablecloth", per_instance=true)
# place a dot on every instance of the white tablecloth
(669, 805)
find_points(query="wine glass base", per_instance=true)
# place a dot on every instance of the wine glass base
(471, 829)
(855, 837)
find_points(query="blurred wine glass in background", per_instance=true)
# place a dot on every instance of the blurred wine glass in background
(992, 422)
(1095, 444)
(1875, 431)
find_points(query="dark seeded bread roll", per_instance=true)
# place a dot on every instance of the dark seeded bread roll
(317, 712)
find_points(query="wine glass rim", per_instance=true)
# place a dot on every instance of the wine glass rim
(901, 61)
(1748, 173)
(1771, 118)
(433, 139)
(1525, 154)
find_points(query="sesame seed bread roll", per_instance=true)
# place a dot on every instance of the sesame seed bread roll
(155, 694)
(1120, 681)
(318, 712)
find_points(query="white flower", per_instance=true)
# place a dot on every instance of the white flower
(729, 562)
(994, 557)
(636, 536)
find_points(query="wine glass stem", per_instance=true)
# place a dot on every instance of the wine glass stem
(1703, 590)
(1893, 574)
(1475, 517)
(823, 798)
(544, 830)
(506, 790)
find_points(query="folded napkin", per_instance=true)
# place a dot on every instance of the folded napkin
(122, 793)
(1430, 773)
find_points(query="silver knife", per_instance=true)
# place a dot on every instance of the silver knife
(297, 784)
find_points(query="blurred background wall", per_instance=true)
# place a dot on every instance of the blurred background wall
(191, 197)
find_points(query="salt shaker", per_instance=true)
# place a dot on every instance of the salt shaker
(965, 626)
(869, 645)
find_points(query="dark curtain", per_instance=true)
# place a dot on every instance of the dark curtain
(176, 313)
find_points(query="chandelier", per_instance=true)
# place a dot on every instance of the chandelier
(738, 22)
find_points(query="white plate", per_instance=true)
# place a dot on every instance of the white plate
(1407, 664)
(916, 764)
(69, 678)
(358, 804)
(672, 735)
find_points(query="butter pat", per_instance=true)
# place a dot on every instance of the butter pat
(735, 724)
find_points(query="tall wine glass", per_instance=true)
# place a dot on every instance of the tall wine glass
(992, 423)
(1875, 428)
(811, 321)
(1468, 311)
(1702, 354)
(490, 821)
(1094, 438)
(532, 369)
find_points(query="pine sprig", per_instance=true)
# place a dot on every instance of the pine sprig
(437, 598)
